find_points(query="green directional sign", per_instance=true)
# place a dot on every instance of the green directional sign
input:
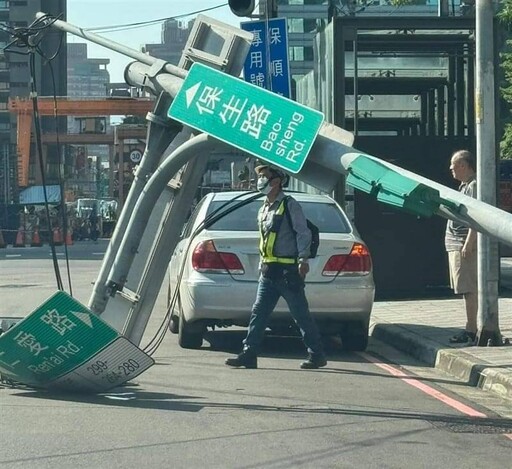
(246, 116)
(393, 188)
(54, 339)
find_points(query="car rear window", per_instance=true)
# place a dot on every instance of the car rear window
(326, 216)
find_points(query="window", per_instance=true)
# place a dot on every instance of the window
(310, 25)
(308, 53)
(242, 219)
(300, 54)
(297, 53)
(326, 216)
(295, 25)
(187, 230)
(19, 3)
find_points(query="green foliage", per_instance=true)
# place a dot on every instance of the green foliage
(506, 142)
(505, 16)
(506, 66)
(505, 13)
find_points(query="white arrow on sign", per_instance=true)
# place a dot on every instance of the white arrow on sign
(191, 93)
(84, 317)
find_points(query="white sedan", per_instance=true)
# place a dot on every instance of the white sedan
(213, 274)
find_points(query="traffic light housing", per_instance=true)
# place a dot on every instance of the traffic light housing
(241, 7)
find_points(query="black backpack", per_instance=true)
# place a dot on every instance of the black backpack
(315, 232)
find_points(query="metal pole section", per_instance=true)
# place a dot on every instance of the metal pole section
(164, 243)
(478, 215)
(199, 145)
(115, 46)
(159, 136)
(120, 174)
(356, 87)
(488, 271)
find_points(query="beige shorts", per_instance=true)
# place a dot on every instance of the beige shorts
(463, 272)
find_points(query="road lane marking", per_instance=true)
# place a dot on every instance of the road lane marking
(508, 435)
(463, 408)
(13, 255)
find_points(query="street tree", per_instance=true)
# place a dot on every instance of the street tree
(505, 16)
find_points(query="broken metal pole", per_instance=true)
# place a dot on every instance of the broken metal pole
(158, 64)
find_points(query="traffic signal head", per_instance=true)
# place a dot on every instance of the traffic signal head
(241, 7)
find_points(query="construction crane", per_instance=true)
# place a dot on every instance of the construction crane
(66, 106)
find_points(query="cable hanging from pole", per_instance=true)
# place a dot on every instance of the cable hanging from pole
(27, 41)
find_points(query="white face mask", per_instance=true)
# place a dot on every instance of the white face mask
(263, 185)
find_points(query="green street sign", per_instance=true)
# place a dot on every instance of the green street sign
(58, 346)
(253, 119)
(393, 188)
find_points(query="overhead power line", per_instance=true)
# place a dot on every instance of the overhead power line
(141, 24)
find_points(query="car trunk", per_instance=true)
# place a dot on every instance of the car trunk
(245, 244)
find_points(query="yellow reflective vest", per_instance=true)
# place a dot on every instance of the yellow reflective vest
(268, 240)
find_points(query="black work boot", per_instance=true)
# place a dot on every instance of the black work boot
(314, 361)
(246, 358)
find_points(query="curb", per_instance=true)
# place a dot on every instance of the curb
(454, 361)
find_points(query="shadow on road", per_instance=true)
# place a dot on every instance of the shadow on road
(140, 399)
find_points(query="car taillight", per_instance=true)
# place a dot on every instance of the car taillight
(206, 258)
(357, 262)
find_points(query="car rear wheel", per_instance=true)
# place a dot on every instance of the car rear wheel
(174, 321)
(354, 336)
(190, 335)
(174, 324)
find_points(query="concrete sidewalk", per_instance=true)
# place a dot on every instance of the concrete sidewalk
(422, 328)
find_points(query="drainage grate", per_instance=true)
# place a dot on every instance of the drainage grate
(480, 426)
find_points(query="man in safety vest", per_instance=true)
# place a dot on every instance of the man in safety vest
(284, 253)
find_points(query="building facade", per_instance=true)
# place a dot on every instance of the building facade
(15, 82)
(174, 37)
(306, 18)
(87, 77)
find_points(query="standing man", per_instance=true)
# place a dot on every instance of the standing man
(284, 253)
(93, 225)
(460, 242)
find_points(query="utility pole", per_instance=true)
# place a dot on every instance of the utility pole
(488, 260)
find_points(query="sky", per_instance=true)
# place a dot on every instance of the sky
(97, 13)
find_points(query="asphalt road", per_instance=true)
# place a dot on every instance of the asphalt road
(376, 409)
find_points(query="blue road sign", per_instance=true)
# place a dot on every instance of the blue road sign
(267, 64)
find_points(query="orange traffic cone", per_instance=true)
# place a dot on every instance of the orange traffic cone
(20, 238)
(69, 238)
(2, 242)
(57, 237)
(36, 239)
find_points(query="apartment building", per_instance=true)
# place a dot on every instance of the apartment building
(15, 82)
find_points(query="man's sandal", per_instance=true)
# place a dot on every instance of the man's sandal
(463, 337)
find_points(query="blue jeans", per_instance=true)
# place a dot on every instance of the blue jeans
(269, 292)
